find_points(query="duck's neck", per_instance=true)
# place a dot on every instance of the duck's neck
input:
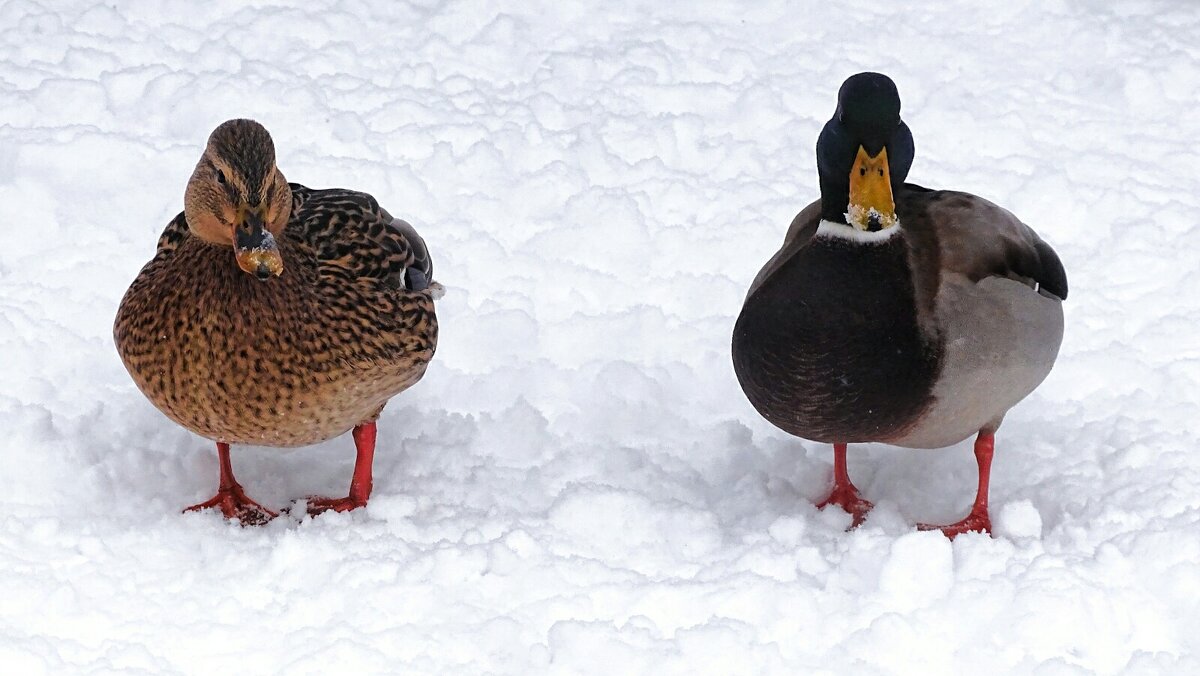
(842, 231)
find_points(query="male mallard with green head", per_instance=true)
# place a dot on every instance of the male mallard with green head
(893, 313)
(277, 315)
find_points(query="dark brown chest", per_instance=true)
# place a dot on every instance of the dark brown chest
(829, 348)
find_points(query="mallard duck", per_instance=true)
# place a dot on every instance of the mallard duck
(894, 313)
(277, 315)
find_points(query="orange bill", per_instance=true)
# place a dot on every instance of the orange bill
(871, 205)
(255, 247)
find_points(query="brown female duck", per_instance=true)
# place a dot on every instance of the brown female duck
(276, 315)
(894, 313)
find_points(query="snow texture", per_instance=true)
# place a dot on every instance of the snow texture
(578, 484)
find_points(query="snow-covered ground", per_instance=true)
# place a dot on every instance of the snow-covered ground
(578, 484)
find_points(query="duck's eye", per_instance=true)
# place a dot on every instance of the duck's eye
(862, 171)
(220, 177)
(881, 172)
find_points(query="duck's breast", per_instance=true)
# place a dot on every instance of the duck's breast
(270, 363)
(829, 347)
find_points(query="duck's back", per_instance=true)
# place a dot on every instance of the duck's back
(992, 292)
(296, 359)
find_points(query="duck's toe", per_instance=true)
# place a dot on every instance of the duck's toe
(318, 505)
(977, 521)
(850, 500)
(235, 505)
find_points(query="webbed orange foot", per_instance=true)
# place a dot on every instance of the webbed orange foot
(978, 520)
(975, 522)
(360, 484)
(234, 504)
(844, 493)
(848, 498)
(230, 497)
(318, 505)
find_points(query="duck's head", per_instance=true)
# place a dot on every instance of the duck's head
(237, 197)
(862, 153)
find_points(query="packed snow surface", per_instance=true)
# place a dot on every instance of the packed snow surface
(578, 484)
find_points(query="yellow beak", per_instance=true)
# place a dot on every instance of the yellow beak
(871, 205)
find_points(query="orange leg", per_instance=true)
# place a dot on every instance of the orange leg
(360, 484)
(844, 494)
(230, 497)
(978, 519)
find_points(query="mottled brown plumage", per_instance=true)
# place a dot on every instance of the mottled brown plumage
(285, 360)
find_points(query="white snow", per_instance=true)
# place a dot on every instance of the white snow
(578, 484)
